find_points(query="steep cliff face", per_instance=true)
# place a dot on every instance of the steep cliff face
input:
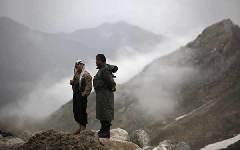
(215, 90)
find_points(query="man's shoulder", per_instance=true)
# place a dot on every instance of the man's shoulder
(106, 68)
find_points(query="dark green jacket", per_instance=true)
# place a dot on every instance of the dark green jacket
(103, 82)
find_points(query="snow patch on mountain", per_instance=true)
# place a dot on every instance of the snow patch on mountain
(222, 144)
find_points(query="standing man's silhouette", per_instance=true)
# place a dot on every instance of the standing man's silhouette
(104, 86)
(82, 86)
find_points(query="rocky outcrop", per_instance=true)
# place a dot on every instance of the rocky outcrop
(119, 140)
(54, 139)
(168, 145)
(141, 138)
(11, 141)
(119, 134)
(88, 140)
(115, 144)
(214, 89)
(8, 141)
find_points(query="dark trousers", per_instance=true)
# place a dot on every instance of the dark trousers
(80, 108)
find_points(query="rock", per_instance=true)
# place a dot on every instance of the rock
(5, 134)
(8, 143)
(119, 140)
(141, 138)
(8, 140)
(170, 145)
(53, 139)
(119, 134)
(147, 148)
(86, 140)
(14, 140)
(118, 144)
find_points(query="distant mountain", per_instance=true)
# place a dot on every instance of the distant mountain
(27, 55)
(189, 95)
(110, 37)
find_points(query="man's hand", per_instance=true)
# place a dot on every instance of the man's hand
(71, 82)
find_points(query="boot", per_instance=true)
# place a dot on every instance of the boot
(101, 129)
(104, 134)
(105, 130)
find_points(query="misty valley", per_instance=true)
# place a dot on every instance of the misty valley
(169, 95)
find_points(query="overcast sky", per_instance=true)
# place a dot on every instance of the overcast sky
(159, 16)
(182, 19)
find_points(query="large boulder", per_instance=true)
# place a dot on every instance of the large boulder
(86, 140)
(119, 140)
(54, 139)
(119, 134)
(11, 141)
(114, 144)
(8, 140)
(141, 138)
(170, 145)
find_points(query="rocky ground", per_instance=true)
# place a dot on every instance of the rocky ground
(58, 140)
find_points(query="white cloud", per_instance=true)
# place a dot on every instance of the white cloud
(42, 101)
(131, 62)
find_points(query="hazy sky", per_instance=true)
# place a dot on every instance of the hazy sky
(182, 19)
(159, 16)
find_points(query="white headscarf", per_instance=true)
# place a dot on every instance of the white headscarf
(81, 75)
(82, 72)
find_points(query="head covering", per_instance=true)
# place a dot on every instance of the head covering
(79, 62)
(102, 57)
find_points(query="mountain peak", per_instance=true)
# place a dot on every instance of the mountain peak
(225, 25)
(122, 24)
(216, 35)
(227, 22)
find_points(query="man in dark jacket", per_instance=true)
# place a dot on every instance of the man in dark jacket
(104, 86)
(82, 86)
